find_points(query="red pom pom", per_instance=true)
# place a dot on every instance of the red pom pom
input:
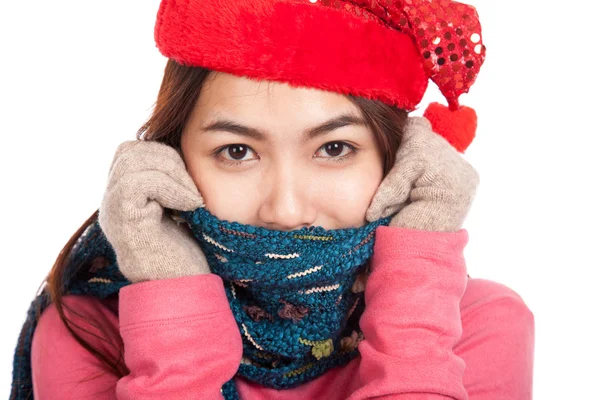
(458, 126)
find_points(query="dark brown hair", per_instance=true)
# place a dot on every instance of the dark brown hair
(177, 97)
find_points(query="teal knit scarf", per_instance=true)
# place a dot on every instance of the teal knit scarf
(296, 296)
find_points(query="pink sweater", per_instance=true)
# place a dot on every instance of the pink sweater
(430, 334)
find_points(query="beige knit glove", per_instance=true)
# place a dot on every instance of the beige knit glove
(431, 185)
(144, 177)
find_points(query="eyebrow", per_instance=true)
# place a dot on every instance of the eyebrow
(340, 121)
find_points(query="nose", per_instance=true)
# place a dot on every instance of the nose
(287, 201)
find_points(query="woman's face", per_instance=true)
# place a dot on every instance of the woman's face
(271, 155)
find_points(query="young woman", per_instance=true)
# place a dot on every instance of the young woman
(282, 229)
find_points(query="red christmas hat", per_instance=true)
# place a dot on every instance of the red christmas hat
(378, 49)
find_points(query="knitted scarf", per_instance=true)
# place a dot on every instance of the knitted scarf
(296, 296)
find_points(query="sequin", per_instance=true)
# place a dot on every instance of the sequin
(437, 25)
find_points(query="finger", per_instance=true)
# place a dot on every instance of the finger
(183, 235)
(394, 191)
(142, 155)
(141, 187)
(151, 156)
(417, 123)
(395, 188)
(122, 148)
(131, 147)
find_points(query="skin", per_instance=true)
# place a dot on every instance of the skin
(283, 180)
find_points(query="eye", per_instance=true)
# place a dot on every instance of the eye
(234, 153)
(336, 150)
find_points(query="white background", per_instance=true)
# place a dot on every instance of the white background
(77, 78)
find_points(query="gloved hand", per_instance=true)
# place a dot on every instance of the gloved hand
(431, 185)
(144, 177)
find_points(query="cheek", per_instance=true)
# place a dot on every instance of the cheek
(228, 196)
(345, 196)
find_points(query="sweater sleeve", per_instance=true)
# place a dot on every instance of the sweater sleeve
(497, 344)
(412, 318)
(180, 341)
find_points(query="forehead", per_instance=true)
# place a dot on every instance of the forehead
(262, 102)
